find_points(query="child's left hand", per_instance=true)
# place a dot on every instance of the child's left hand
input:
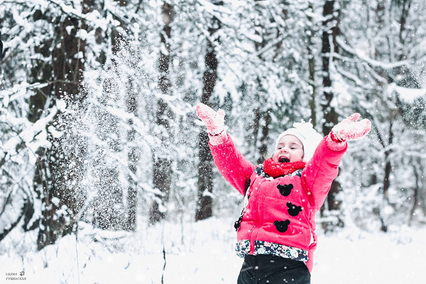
(350, 129)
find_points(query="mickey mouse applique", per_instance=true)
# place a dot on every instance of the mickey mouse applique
(282, 226)
(285, 189)
(293, 210)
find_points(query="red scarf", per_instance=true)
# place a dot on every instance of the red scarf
(274, 170)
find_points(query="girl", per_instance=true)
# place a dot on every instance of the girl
(276, 229)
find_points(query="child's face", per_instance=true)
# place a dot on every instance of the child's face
(289, 149)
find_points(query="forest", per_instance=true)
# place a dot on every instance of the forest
(99, 128)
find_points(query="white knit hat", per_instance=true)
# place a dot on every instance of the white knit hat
(309, 137)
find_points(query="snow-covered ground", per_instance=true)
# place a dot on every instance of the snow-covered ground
(202, 252)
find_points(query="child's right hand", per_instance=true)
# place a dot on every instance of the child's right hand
(213, 120)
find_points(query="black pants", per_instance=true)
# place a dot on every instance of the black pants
(262, 269)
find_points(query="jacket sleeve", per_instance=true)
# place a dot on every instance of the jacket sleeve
(320, 172)
(232, 164)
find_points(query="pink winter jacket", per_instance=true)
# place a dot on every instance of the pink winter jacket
(267, 216)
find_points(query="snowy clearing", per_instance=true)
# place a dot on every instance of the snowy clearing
(203, 253)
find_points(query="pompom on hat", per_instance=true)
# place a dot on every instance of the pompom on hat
(309, 137)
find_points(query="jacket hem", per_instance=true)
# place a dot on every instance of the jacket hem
(242, 249)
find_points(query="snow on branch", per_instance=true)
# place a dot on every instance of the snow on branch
(406, 94)
(372, 62)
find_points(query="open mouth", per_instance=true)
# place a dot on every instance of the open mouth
(283, 160)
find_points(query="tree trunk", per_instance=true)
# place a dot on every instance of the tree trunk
(311, 66)
(406, 4)
(417, 169)
(264, 140)
(255, 128)
(329, 45)
(41, 72)
(204, 208)
(133, 156)
(388, 165)
(329, 34)
(386, 178)
(161, 161)
(63, 189)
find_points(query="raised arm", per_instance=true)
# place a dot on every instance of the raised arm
(322, 169)
(230, 162)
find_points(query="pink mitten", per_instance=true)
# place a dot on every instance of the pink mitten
(214, 122)
(349, 129)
